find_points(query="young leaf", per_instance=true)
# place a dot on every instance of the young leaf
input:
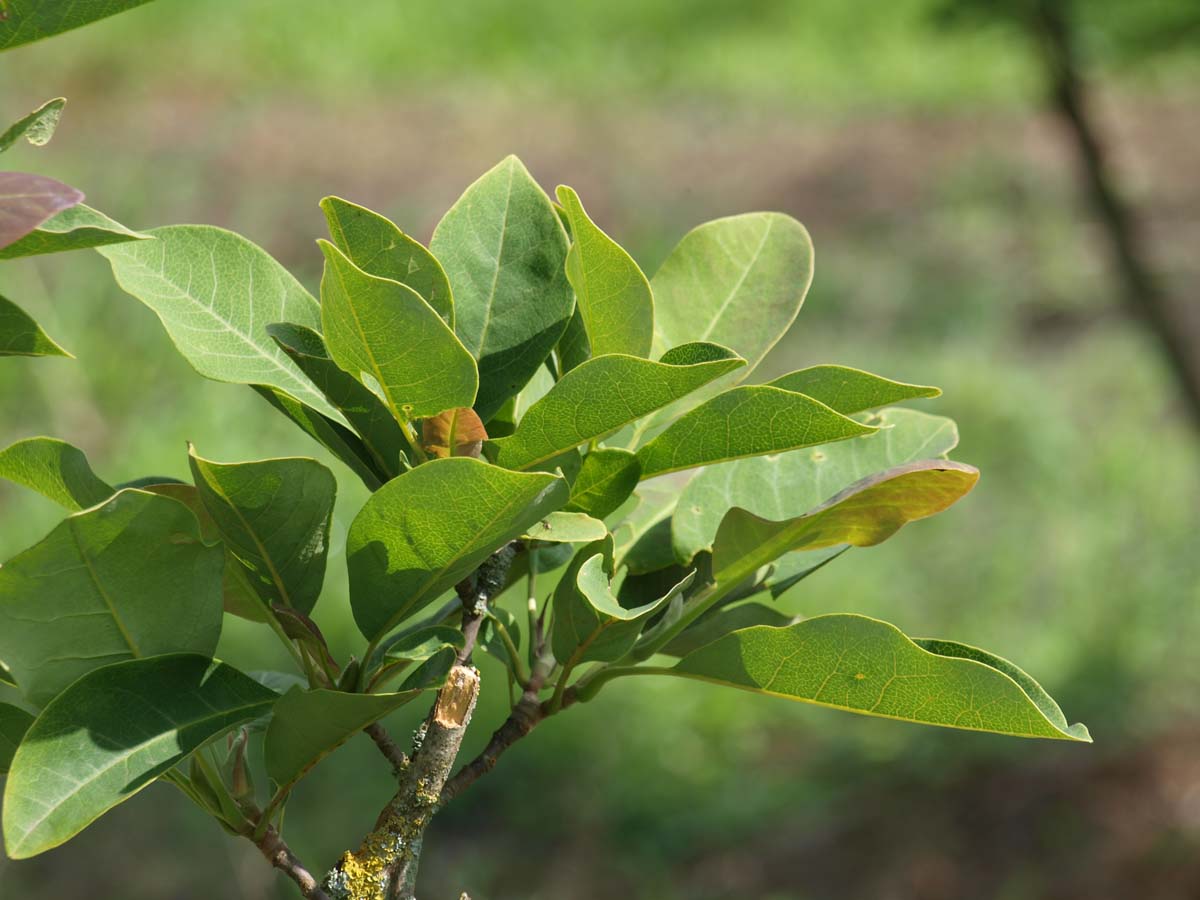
(129, 578)
(76, 228)
(379, 436)
(20, 335)
(378, 247)
(613, 300)
(790, 484)
(567, 528)
(491, 641)
(26, 201)
(851, 390)
(32, 20)
(866, 666)
(55, 470)
(866, 513)
(419, 645)
(6, 676)
(423, 532)
(333, 436)
(37, 127)
(215, 293)
(604, 393)
(384, 334)
(455, 432)
(113, 732)
(752, 420)
(504, 252)
(307, 726)
(14, 722)
(274, 516)
(590, 625)
(605, 481)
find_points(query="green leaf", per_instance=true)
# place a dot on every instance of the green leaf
(129, 578)
(26, 201)
(113, 732)
(866, 513)
(421, 644)
(598, 397)
(719, 622)
(612, 295)
(504, 252)
(215, 293)
(752, 420)
(14, 722)
(37, 127)
(6, 676)
(32, 20)
(740, 279)
(851, 390)
(20, 335)
(791, 484)
(307, 726)
(643, 538)
(333, 436)
(55, 470)
(491, 641)
(384, 334)
(378, 247)
(590, 625)
(566, 528)
(378, 433)
(605, 481)
(866, 666)
(77, 228)
(425, 531)
(274, 516)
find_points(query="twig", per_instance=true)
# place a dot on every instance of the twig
(388, 747)
(280, 855)
(477, 590)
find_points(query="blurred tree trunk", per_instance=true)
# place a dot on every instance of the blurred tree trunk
(1142, 293)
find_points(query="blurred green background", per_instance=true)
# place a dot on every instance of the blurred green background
(955, 246)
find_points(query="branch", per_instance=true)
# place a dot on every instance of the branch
(384, 865)
(476, 592)
(278, 854)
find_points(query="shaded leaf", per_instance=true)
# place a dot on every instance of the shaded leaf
(14, 722)
(504, 252)
(601, 395)
(37, 127)
(20, 335)
(32, 20)
(613, 300)
(455, 432)
(589, 622)
(605, 481)
(780, 487)
(423, 643)
(26, 201)
(333, 436)
(55, 470)
(380, 248)
(851, 390)
(129, 578)
(490, 639)
(425, 531)
(379, 435)
(215, 293)
(719, 622)
(384, 334)
(866, 666)
(113, 732)
(752, 420)
(274, 516)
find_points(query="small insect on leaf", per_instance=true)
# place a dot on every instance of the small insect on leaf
(455, 432)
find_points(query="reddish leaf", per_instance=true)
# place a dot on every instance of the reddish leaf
(455, 432)
(26, 201)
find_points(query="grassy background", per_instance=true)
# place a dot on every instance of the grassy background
(952, 249)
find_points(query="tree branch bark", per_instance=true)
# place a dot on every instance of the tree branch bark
(1144, 297)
